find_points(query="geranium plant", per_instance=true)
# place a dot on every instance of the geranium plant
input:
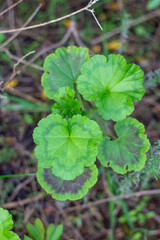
(70, 138)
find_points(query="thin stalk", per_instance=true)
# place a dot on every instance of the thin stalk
(80, 99)
(111, 205)
(109, 134)
(91, 112)
(123, 204)
(18, 175)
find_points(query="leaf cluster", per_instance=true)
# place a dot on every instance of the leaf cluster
(68, 142)
(39, 232)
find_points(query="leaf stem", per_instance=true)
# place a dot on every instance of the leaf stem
(80, 99)
(18, 175)
(91, 112)
(109, 134)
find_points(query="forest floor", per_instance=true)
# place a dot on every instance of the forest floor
(130, 29)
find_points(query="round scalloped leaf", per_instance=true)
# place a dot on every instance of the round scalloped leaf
(67, 189)
(67, 146)
(113, 83)
(62, 68)
(66, 105)
(127, 152)
(6, 224)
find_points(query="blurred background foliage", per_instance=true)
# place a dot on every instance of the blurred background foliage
(131, 28)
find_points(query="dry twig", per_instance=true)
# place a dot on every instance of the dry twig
(52, 21)
(24, 25)
(19, 187)
(114, 198)
(10, 55)
(24, 201)
(131, 24)
(9, 8)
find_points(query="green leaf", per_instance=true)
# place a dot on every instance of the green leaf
(54, 233)
(62, 68)
(6, 224)
(113, 84)
(50, 230)
(57, 233)
(67, 189)
(27, 238)
(153, 4)
(66, 146)
(40, 227)
(66, 105)
(33, 232)
(127, 152)
(64, 93)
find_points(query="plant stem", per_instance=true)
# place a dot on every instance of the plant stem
(18, 175)
(109, 134)
(80, 99)
(91, 112)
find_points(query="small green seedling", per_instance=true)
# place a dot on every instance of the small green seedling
(39, 232)
(68, 141)
(137, 215)
(6, 224)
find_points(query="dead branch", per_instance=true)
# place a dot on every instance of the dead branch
(131, 24)
(52, 21)
(24, 25)
(23, 202)
(114, 198)
(9, 8)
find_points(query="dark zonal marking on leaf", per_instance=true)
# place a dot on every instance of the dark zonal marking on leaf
(66, 186)
(51, 126)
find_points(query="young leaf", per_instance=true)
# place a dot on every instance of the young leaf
(40, 227)
(27, 238)
(33, 232)
(67, 189)
(57, 233)
(63, 68)
(66, 146)
(127, 152)
(50, 230)
(6, 224)
(112, 83)
(66, 105)
(54, 233)
(64, 93)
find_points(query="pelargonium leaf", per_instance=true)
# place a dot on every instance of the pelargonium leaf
(64, 93)
(6, 224)
(113, 83)
(66, 146)
(67, 189)
(62, 68)
(66, 105)
(127, 152)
